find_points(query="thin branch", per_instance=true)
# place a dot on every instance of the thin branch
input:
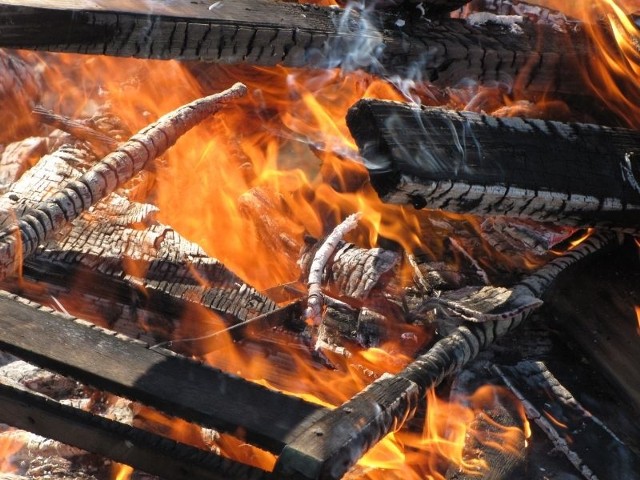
(315, 300)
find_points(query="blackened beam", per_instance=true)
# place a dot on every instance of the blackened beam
(572, 173)
(155, 377)
(261, 32)
(327, 448)
(138, 448)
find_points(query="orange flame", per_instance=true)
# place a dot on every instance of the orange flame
(9, 445)
(120, 471)
(637, 309)
(614, 66)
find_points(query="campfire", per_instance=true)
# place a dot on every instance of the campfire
(268, 239)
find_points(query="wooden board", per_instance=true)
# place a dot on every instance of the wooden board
(155, 377)
(262, 32)
(140, 449)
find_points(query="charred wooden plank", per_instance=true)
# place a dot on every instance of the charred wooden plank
(131, 369)
(141, 449)
(261, 32)
(591, 447)
(328, 447)
(579, 174)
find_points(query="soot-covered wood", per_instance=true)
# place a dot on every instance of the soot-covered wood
(260, 32)
(155, 377)
(577, 174)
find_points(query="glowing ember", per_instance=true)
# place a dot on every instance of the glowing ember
(8, 446)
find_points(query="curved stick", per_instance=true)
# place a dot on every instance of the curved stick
(36, 226)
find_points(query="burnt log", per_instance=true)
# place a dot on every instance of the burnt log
(321, 450)
(259, 32)
(571, 173)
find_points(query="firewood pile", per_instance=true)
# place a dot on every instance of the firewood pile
(109, 315)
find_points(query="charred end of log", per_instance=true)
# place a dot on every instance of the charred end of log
(373, 148)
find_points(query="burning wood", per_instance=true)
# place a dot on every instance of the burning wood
(546, 171)
(33, 228)
(567, 423)
(130, 260)
(319, 451)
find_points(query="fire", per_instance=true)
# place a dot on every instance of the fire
(449, 429)
(9, 445)
(637, 309)
(121, 471)
(282, 154)
(614, 67)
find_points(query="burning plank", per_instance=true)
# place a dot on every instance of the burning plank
(260, 32)
(571, 173)
(198, 393)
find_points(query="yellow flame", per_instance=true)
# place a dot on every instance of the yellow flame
(120, 471)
